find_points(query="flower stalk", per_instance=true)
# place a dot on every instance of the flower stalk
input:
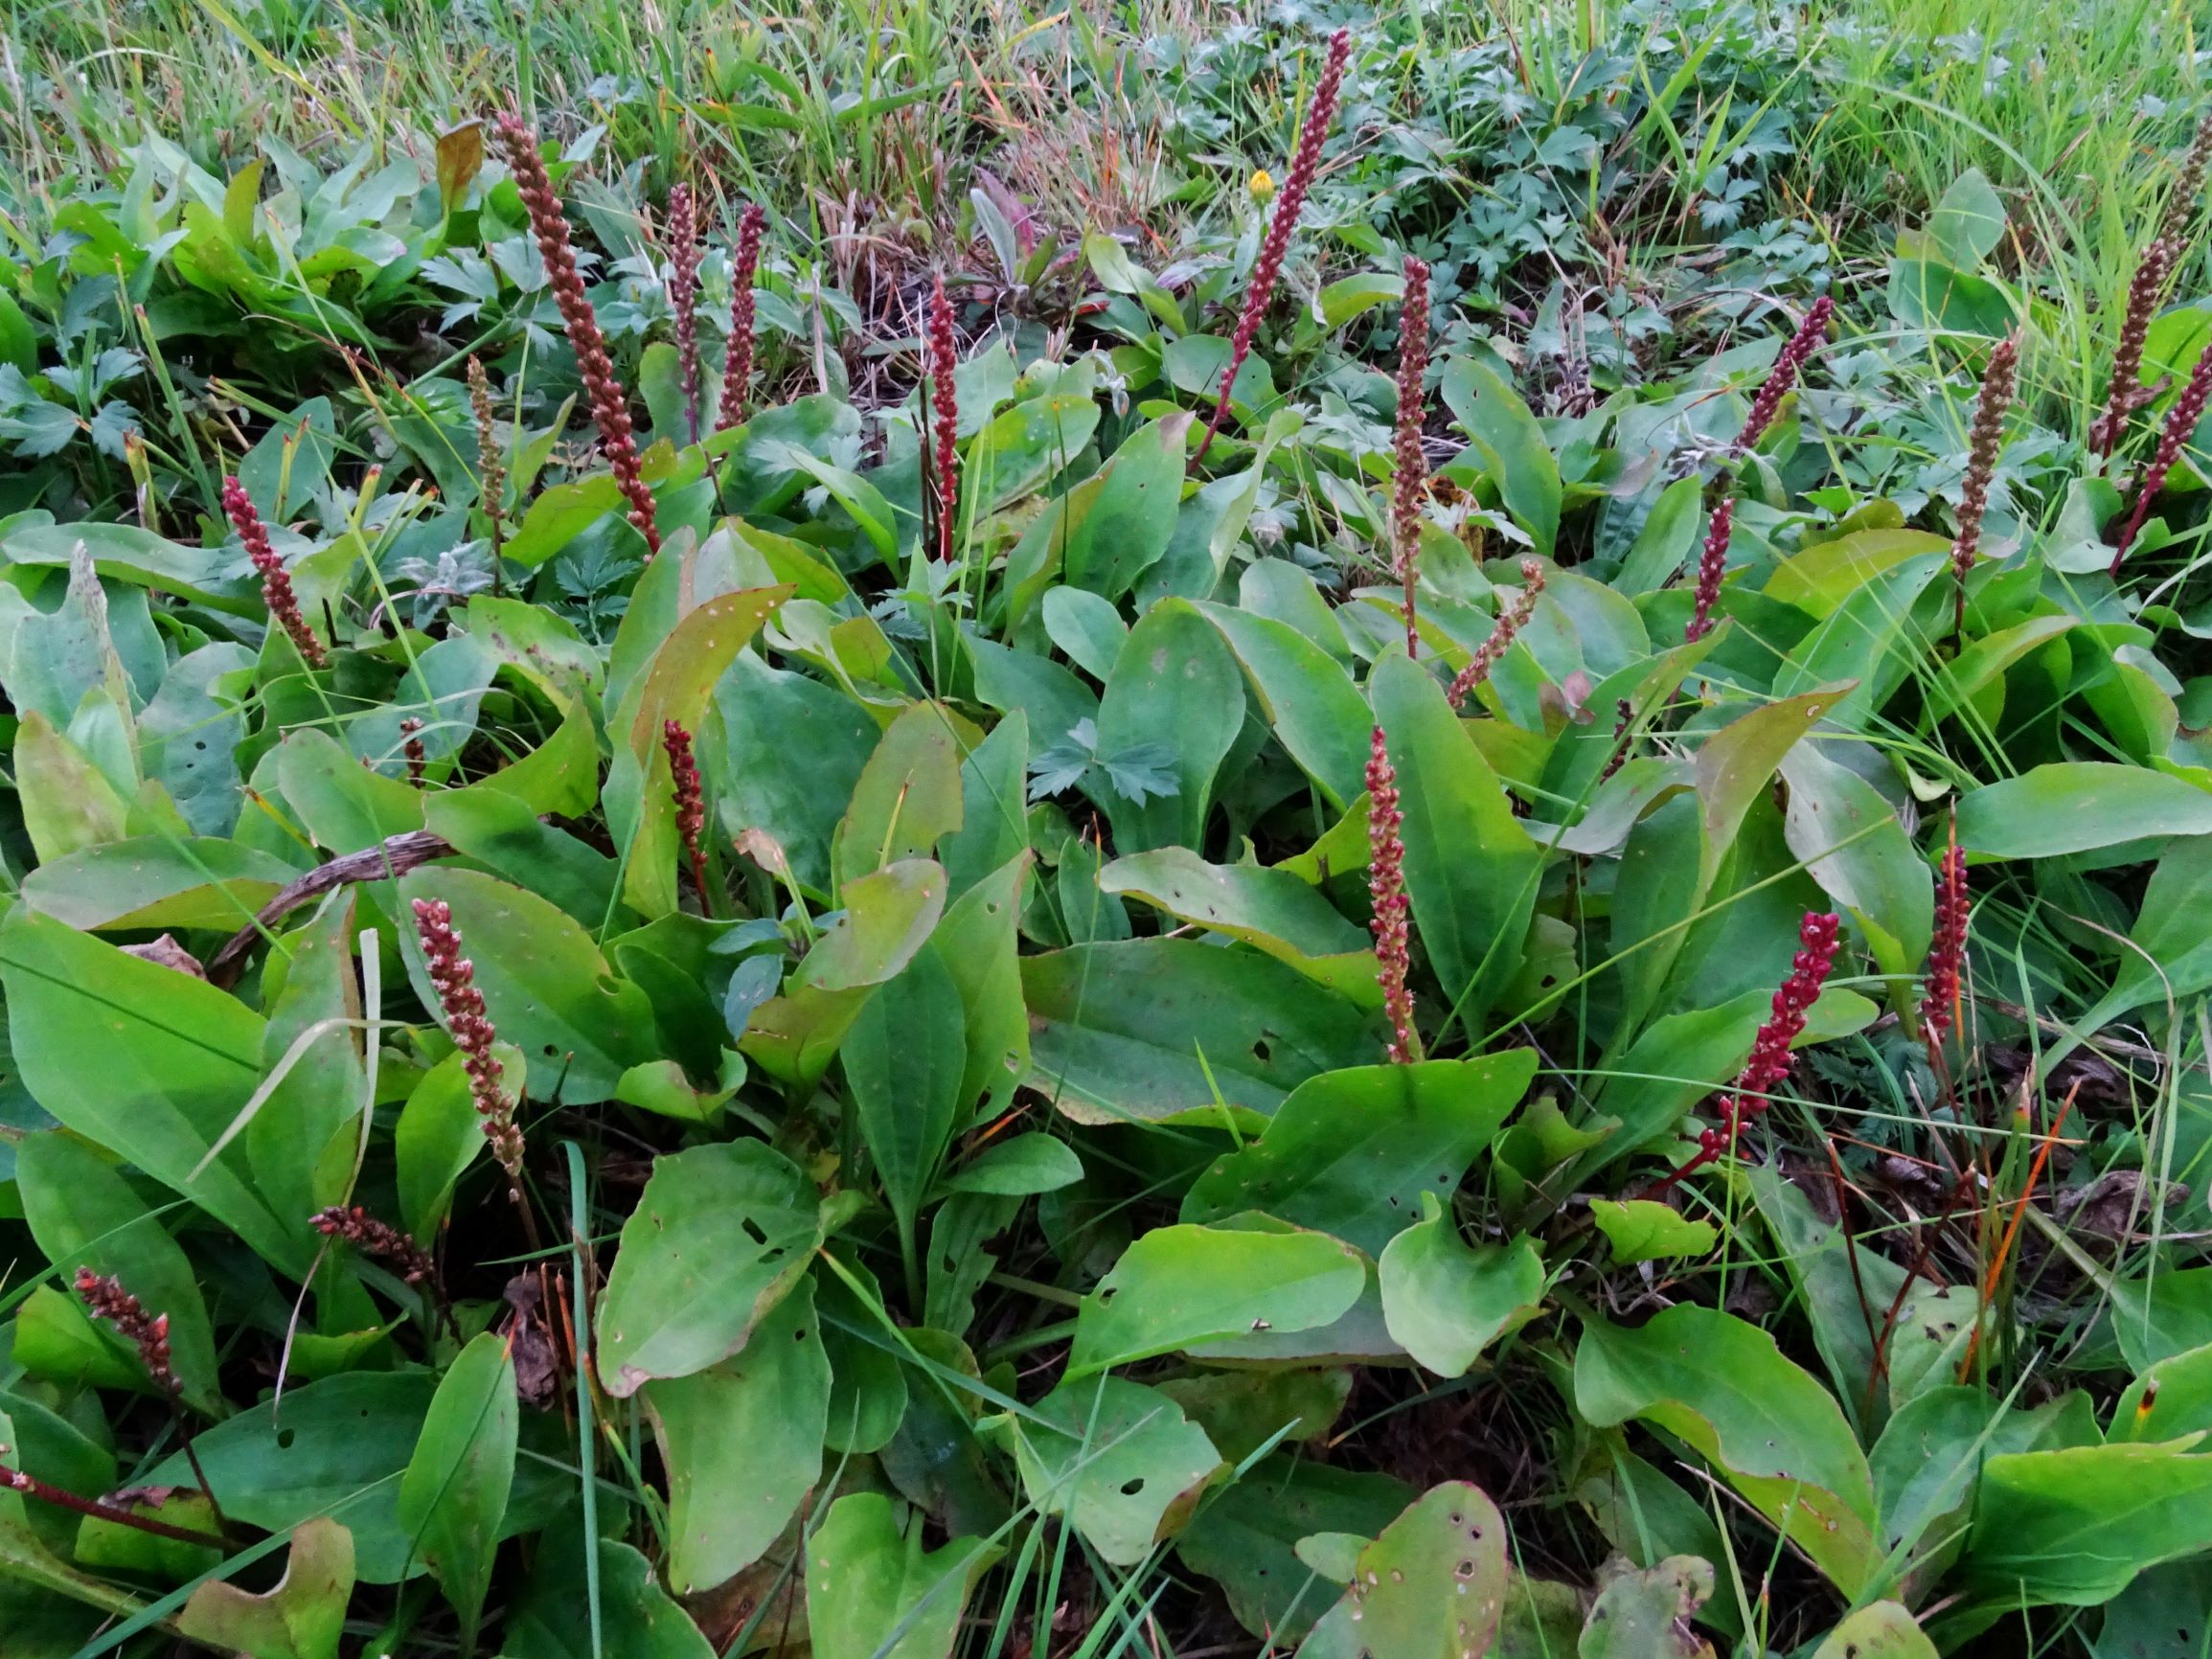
(2180, 424)
(2126, 394)
(684, 297)
(945, 420)
(1289, 202)
(608, 406)
(1811, 333)
(1510, 622)
(689, 805)
(1386, 888)
(737, 365)
(1411, 481)
(276, 581)
(1769, 1063)
(1983, 443)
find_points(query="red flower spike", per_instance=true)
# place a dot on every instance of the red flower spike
(1289, 204)
(2126, 393)
(1817, 937)
(276, 581)
(608, 406)
(1510, 622)
(106, 1299)
(1983, 441)
(396, 1249)
(453, 976)
(689, 804)
(1712, 566)
(738, 366)
(945, 420)
(1411, 481)
(2180, 422)
(1386, 887)
(1810, 334)
(1940, 1003)
(684, 297)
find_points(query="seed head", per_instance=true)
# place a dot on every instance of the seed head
(276, 581)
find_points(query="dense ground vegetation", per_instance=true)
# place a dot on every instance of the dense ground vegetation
(918, 830)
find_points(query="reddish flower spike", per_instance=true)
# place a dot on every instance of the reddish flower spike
(738, 366)
(684, 297)
(1712, 566)
(945, 415)
(1510, 622)
(276, 581)
(106, 1299)
(1817, 937)
(1810, 335)
(608, 406)
(1984, 441)
(454, 977)
(1289, 204)
(1386, 888)
(2180, 424)
(380, 1239)
(689, 804)
(2126, 393)
(1941, 1003)
(1411, 481)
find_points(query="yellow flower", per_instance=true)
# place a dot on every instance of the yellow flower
(1262, 186)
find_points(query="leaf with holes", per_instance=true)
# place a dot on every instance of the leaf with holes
(719, 1235)
(1433, 1584)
